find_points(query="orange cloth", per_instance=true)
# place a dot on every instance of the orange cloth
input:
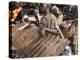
(15, 12)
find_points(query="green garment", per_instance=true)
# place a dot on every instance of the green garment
(49, 20)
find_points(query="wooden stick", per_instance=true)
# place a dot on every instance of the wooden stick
(59, 30)
(21, 28)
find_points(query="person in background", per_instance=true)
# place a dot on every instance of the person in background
(15, 13)
(55, 11)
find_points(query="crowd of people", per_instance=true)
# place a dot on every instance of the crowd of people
(18, 10)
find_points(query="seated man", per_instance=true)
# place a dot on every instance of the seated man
(47, 21)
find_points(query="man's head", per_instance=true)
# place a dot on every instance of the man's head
(46, 9)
